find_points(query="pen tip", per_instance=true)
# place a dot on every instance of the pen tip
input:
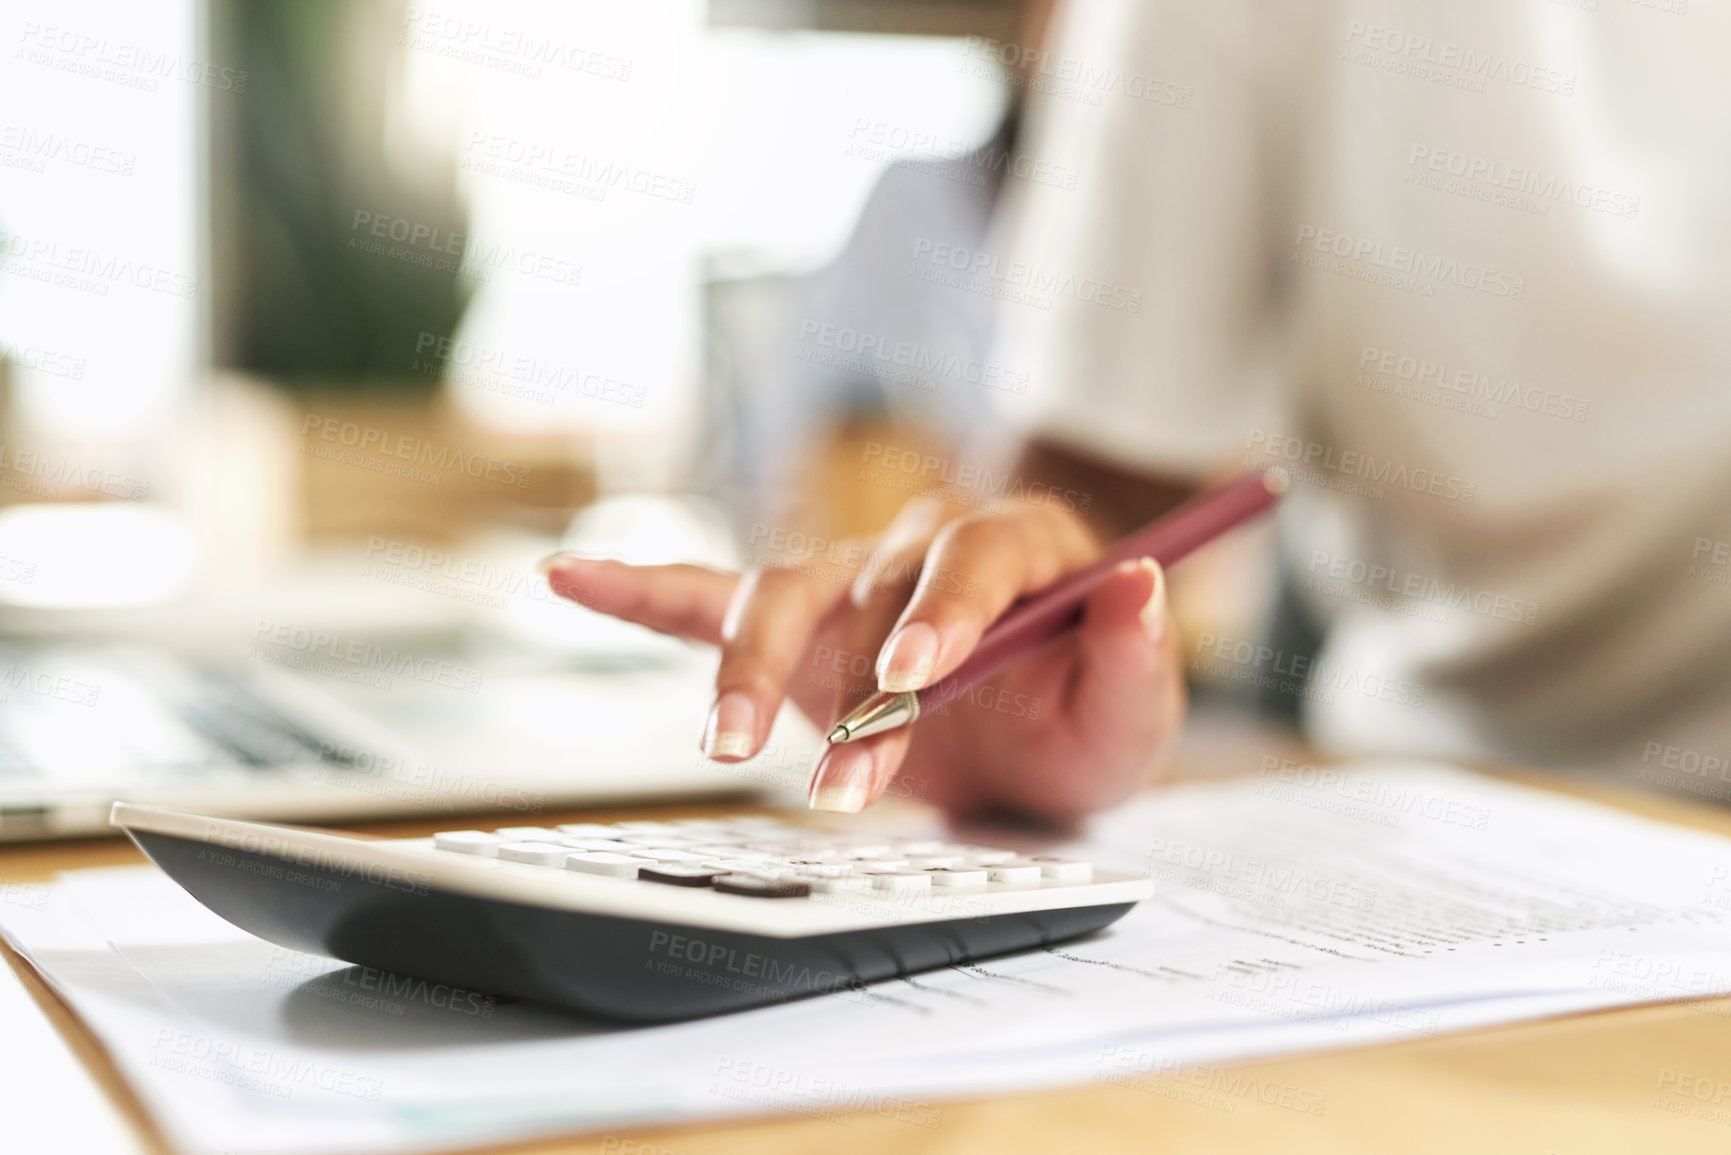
(1277, 480)
(839, 734)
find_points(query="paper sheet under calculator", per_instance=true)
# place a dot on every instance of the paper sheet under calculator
(1301, 909)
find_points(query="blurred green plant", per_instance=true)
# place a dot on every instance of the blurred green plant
(316, 299)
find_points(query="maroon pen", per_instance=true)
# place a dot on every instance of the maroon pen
(1042, 616)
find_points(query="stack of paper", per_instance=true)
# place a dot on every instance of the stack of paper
(1299, 909)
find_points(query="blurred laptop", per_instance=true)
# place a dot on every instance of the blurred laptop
(321, 723)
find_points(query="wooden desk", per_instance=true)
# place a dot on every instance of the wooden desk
(1587, 1083)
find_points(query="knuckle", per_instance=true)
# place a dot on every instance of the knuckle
(776, 579)
(1071, 534)
(865, 590)
(884, 577)
(976, 531)
(771, 585)
(743, 674)
(918, 517)
(750, 582)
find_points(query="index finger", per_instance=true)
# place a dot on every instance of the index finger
(687, 601)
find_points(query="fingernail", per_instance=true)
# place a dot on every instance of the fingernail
(732, 728)
(559, 560)
(843, 780)
(1153, 611)
(907, 659)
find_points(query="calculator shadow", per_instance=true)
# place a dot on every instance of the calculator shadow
(366, 1008)
(235, 991)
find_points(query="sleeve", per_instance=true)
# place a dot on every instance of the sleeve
(1153, 349)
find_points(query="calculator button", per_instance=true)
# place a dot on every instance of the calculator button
(603, 863)
(823, 869)
(678, 874)
(585, 830)
(611, 844)
(1015, 873)
(657, 855)
(776, 836)
(534, 853)
(728, 865)
(850, 884)
(934, 861)
(725, 850)
(983, 856)
(662, 841)
(875, 850)
(740, 831)
(913, 849)
(947, 878)
(1063, 870)
(880, 864)
(757, 886)
(900, 881)
(528, 834)
(821, 858)
(468, 842)
(832, 884)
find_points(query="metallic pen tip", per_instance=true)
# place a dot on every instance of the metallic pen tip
(839, 734)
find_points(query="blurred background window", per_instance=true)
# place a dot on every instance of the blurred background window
(260, 254)
(329, 318)
(624, 226)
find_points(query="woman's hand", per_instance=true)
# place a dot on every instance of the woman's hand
(1065, 729)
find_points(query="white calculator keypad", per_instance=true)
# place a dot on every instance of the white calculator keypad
(760, 857)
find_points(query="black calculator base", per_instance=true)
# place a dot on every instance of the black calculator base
(617, 968)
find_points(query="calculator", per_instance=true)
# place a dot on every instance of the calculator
(633, 921)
